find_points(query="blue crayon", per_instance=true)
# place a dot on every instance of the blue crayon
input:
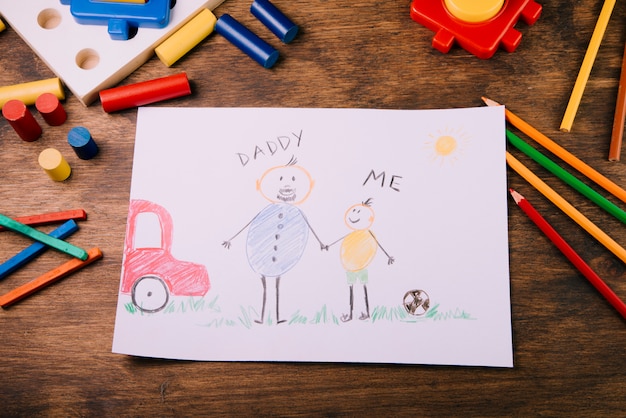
(83, 144)
(36, 248)
(274, 19)
(240, 36)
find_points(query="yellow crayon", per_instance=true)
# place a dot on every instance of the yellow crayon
(28, 92)
(187, 37)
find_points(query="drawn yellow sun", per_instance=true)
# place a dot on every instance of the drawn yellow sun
(447, 145)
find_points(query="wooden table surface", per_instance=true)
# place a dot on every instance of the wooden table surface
(569, 343)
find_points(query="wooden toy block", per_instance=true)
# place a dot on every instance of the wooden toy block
(48, 278)
(122, 18)
(51, 109)
(21, 120)
(84, 56)
(479, 27)
(187, 37)
(54, 164)
(145, 92)
(28, 92)
(36, 248)
(82, 143)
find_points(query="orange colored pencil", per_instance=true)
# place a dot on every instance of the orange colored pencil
(570, 253)
(561, 152)
(48, 278)
(615, 150)
(52, 217)
(567, 208)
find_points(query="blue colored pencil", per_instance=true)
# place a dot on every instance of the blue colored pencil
(36, 248)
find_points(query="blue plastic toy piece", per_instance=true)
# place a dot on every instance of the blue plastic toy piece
(244, 39)
(121, 18)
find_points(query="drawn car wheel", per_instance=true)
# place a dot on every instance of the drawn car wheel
(150, 294)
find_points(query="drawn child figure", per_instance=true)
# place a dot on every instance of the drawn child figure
(358, 250)
(278, 234)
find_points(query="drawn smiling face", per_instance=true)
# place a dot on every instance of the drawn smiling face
(359, 217)
(287, 184)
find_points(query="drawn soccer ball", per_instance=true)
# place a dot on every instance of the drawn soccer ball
(416, 302)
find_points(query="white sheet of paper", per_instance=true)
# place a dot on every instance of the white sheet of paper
(422, 194)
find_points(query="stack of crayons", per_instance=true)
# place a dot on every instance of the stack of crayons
(54, 239)
(561, 203)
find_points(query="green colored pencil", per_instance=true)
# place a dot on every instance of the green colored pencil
(568, 178)
(30, 232)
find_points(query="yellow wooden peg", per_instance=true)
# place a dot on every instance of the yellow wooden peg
(187, 37)
(29, 92)
(54, 164)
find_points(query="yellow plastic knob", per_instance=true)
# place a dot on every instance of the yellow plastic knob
(474, 11)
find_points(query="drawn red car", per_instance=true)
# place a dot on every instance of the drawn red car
(151, 275)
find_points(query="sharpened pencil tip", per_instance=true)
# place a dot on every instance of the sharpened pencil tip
(490, 102)
(516, 196)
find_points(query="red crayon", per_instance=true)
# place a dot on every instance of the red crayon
(22, 121)
(569, 252)
(146, 92)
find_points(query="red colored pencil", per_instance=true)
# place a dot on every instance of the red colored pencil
(569, 252)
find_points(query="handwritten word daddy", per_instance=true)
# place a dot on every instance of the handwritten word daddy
(270, 147)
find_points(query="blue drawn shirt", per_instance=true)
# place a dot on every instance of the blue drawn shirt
(277, 237)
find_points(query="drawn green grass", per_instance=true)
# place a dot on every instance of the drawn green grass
(247, 315)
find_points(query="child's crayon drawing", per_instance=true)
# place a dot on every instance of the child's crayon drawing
(278, 234)
(318, 235)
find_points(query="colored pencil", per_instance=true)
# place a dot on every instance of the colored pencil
(585, 68)
(49, 278)
(561, 152)
(569, 252)
(36, 248)
(566, 207)
(558, 171)
(55, 243)
(50, 218)
(615, 150)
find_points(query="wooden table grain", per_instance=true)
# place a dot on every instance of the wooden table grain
(569, 344)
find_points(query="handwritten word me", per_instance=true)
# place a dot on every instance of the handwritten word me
(393, 181)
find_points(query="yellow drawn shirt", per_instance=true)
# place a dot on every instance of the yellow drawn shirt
(358, 250)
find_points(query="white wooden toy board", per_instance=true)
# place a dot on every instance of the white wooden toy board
(84, 57)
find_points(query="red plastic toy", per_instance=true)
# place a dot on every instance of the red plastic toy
(481, 38)
(150, 275)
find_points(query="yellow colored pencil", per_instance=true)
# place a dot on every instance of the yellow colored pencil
(585, 68)
(566, 207)
(561, 152)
